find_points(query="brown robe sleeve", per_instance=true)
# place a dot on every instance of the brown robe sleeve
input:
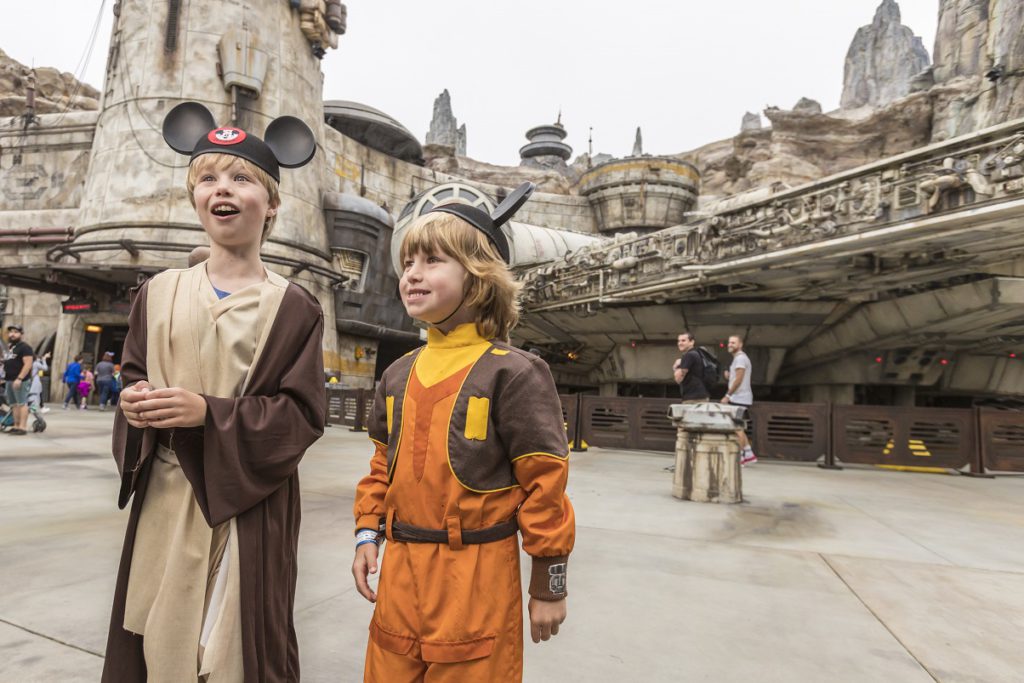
(130, 443)
(251, 445)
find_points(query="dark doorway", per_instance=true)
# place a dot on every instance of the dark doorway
(102, 338)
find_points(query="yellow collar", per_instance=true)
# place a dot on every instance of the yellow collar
(465, 334)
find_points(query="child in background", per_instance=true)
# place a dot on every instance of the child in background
(40, 366)
(470, 449)
(85, 387)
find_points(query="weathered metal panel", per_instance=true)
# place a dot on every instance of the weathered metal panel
(904, 437)
(790, 431)
(349, 407)
(1002, 440)
(570, 410)
(627, 423)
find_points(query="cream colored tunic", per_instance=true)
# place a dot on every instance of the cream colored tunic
(183, 586)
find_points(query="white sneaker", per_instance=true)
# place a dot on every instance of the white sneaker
(748, 458)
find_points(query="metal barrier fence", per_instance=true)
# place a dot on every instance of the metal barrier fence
(570, 411)
(935, 438)
(611, 422)
(904, 437)
(1001, 440)
(971, 441)
(790, 431)
(349, 407)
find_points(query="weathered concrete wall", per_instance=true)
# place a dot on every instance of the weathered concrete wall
(43, 169)
(35, 311)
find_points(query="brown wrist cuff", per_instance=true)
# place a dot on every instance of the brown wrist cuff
(548, 580)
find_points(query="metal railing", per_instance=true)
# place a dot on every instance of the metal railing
(904, 437)
(1001, 440)
(349, 407)
(790, 431)
(970, 441)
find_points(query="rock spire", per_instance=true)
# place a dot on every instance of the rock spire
(882, 60)
(444, 128)
(638, 143)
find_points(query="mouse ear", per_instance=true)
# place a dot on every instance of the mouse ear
(512, 203)
(291, 141)
(186, 125)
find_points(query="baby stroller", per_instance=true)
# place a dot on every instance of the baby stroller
(36, 421)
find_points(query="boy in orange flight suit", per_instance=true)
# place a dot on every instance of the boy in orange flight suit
(470, 449)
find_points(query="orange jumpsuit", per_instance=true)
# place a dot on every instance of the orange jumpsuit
(443, 612)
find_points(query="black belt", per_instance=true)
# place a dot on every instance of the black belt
(407, 533)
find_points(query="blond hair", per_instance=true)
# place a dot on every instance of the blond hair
(215, 161)
(490, 289)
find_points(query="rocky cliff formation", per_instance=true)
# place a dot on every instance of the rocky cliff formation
(979, 65)
(803, 145)
(883, 59)
(445, 131)
(889, 105)
(887, 112)
(55, 91)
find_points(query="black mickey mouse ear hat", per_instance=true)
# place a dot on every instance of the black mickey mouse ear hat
(490, 225)
(189, 129)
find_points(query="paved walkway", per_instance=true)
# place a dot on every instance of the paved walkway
(859, 575)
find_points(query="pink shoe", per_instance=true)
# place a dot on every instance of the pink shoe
(748, 458)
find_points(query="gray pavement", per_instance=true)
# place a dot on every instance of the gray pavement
(859, 575)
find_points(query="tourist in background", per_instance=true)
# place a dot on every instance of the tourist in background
(17, 371)
(72, 376)
(688, 370)
(105, 378)
(739, 392)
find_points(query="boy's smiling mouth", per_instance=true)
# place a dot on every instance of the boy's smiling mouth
(224, 210)
(414, 294)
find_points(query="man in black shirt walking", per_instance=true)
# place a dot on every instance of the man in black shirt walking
(688, 370)
(18, 374)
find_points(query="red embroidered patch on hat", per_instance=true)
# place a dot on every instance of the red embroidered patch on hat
(226, 136)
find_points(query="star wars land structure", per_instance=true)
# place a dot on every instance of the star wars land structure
(707, 452)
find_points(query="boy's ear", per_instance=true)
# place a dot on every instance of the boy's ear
(291, 141)
(186, 125)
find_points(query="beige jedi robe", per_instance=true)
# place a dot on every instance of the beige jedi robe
(183, 588)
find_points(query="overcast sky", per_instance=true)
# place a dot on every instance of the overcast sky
(683, 70)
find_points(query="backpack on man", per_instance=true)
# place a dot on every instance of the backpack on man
(711, 369)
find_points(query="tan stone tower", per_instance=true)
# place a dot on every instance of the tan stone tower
(248, 62)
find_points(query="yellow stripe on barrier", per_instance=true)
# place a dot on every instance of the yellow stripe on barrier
(913, 468)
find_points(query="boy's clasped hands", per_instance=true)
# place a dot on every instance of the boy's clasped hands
(144, 406)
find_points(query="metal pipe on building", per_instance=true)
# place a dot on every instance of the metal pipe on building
(361, 329)
(35, 235)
